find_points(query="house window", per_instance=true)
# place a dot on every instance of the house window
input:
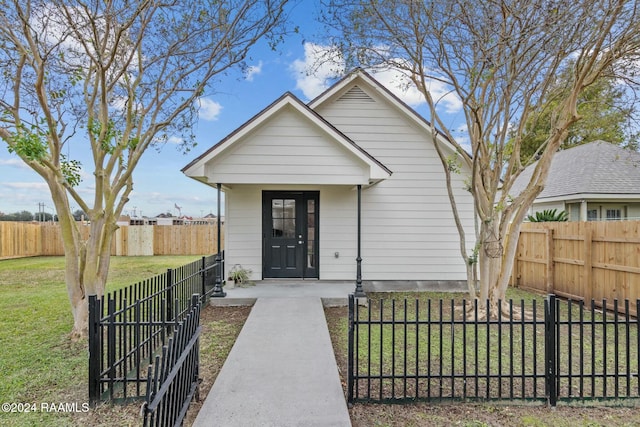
(592, 215)
(613, 214)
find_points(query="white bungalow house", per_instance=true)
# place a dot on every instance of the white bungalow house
(597, 181)
(306, 184)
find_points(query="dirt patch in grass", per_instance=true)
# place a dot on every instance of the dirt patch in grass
(224, 325)
(469, 414)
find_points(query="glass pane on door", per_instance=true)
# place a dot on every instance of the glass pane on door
(311, 233)
(283, 217)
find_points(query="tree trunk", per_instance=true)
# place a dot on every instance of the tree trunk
(509, 255)
(86, 260)
(490, 260)
(471, 280)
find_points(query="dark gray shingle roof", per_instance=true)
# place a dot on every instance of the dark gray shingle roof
(594, 168)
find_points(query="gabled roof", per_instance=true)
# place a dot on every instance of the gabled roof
(360, 74)
(596, 168)
(195, 169)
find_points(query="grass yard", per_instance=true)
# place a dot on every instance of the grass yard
(447, 412)
(40, 367)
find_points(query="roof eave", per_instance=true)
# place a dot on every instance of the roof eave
(577, 197)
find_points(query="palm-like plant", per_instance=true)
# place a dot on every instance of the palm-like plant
(549, 215)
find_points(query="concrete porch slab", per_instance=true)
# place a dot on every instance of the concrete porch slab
(331, 292)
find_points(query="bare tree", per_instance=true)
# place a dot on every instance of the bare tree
(121, 76)
(498, 58)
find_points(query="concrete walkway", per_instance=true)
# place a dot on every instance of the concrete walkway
(281, 371)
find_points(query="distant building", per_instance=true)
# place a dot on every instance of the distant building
(167, 219)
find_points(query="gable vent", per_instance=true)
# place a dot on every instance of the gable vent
(355, 94)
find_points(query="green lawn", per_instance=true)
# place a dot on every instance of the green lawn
(38, 363)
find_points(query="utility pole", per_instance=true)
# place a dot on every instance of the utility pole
(41, 217)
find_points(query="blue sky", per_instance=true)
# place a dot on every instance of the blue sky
(159, 185)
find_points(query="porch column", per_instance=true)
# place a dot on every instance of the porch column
(217, 288)
(359, 292)
(583, 210)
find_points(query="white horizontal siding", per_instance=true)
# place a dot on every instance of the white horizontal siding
(287, 149)
(338, 233)
(243, 229)
(407, 224)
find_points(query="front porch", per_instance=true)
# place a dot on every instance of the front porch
(331, 292)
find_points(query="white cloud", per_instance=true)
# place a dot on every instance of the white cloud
(119, 103)
(398, 83)
(444, 97)
(253, 70)
(461, 134)
(208, 109)
(26, 185)
(16, 163)
(319, 66)
(19, 196)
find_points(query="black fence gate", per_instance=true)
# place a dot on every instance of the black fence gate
(436, 350)
(172, 380)
(128, 328)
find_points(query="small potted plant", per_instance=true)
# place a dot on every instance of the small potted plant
(239, 275)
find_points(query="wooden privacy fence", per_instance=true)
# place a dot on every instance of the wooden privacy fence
(20, 239)
(580, 260)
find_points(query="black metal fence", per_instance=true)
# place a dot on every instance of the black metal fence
(172, 380)
(437, 350)
(129, 327)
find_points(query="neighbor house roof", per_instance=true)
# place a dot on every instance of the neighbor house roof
(596, 168)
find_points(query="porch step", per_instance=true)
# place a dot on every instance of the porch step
(247, 302)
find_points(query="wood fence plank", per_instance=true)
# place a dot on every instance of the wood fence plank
(550, 278)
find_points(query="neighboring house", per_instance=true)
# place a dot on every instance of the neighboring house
(291, 176)
(167, 219)
(124, 220)
(591, 182)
